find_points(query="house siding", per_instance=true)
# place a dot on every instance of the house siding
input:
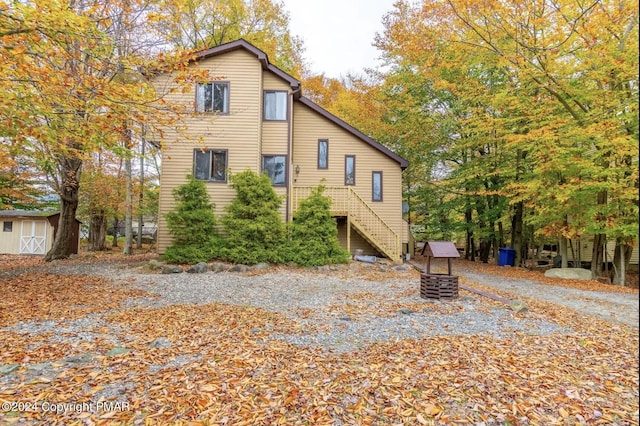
(585, 250)
(308, 127)
(247, 138)
(239, 132)
(275, 134)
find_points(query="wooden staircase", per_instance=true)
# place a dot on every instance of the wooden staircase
(360, 215)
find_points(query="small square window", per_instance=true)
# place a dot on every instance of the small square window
(7, 226)
(210, 165)
(212, 97)
(275, 106)
(275, 166)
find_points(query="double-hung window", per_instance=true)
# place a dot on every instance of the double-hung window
(376, 186)
(275, 106)
(350, 170)
(210, 164)
(275, 166)
(212, 97)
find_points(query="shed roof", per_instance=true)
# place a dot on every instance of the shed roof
(27, 213)
(440, 249)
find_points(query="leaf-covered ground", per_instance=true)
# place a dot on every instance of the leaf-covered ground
(227, 369)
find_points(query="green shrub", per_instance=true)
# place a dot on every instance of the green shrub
(253, 226)
(314, 233)
(192, 225)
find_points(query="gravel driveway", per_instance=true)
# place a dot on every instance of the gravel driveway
(622, 307)
(342, 308)
(346, 307)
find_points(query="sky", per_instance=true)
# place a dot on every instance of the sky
(338, 34)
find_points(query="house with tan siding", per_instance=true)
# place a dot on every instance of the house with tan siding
(249, 114)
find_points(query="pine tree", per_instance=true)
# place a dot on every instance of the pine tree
(192, 225)
(255, 231)
(314, 234)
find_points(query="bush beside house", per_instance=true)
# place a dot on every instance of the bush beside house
(192, 225)
(314, 233)
(253, 229)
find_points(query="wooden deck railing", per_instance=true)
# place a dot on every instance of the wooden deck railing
(346, 202)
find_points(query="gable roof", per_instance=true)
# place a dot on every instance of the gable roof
(262, 57)
(296, 89)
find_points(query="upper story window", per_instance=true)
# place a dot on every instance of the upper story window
(7, 226)
(323, 154)
(275, 105)
(212, 97)
(350, 170)
(275, 166)
(376, 186)
(210, 164)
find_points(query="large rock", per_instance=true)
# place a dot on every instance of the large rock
(239, 268)
(569, 273)
(218, 267)
(198, 268)
(171, 269)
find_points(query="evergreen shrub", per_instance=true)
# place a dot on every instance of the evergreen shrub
(253, 226)
(192, 225)
(314, 233)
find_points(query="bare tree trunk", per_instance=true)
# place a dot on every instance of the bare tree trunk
(128, 218)
(97, 232)
(621, 258)
(564, 252)
(485, 250)
(470, 253)
(597, 255)
(69, 185)
(516, 232)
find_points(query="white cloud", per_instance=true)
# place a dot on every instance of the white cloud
(338, 34)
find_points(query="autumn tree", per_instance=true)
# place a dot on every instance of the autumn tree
(555, 92)
(100, 196)
(201, 24)
(20, 186)
(72, 90)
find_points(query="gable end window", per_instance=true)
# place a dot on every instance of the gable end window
(275, 106)
(323, 154)
(275, 166)
(7, 226)
(376, 186)
(350, 170)
(212, 97)
(210, 164)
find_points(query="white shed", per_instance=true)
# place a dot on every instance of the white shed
(30, 232)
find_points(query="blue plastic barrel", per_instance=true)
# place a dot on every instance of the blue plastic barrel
(506, 256)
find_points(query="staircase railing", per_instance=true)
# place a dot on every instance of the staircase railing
(346, 202)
